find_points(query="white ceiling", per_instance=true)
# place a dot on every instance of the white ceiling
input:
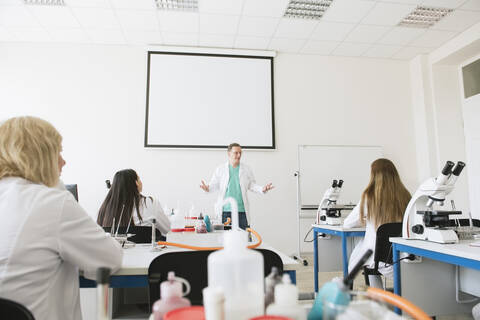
(349, 27)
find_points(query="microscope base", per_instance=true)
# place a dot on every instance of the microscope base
(441, 235)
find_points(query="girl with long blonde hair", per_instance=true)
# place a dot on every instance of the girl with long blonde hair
(384, 200)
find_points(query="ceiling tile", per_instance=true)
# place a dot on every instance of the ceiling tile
(138, 19)
(54, 16)
(381, 51)
(88, 3)
(257, 26)
(408, 53)
(367, 34)
(31, 35)
(388, 14)
(295, 28)
(443, 3)
(11, 2)
(96, 17)
(231, 7)
(218, 24)
(286, 45)
(216, 40)
(143, 37)
(265, 8)
(403, 1)
(458, 20)
(17, 16)
(401, 35)
(432, 38)
(5, 35)
(180, 39)
(471, 5)
(246, 42)
(175, 21)
(319, 47)
(134, 4)
(332, 31)
(108, 36)
(68, 35)
(348, 10)
(351, 49)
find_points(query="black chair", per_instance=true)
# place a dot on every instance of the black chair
(192, 266)
(383, 248)
(73, 189)
(142, 234)
(463, 222)
(13, 310)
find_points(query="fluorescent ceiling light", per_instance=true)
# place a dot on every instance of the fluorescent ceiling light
(45, 2)
(424, 17)
(307, 9)
(177, 5)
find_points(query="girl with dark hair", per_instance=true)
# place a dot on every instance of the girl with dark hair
(125, 203)
(383, 201)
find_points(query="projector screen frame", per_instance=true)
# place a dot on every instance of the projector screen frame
(172, 146)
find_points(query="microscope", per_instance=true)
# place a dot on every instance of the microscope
(329, 212)
(421, 220)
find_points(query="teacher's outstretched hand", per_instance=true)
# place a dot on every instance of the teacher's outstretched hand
(267, 187)
(204, 186)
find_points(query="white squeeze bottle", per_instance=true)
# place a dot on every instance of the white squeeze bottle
(286, 301)
(239, 272)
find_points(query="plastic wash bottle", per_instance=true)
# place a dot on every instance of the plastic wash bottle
(239, 272)
(171, 296)
(286, 301)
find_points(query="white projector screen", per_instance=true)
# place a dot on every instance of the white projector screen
(197, 100)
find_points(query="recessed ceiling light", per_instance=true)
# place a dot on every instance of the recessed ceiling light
(177, 5)
(45, 2)
(307, 9)
(424, 17)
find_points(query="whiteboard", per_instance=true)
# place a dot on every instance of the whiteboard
(197, 100)
(320, 165)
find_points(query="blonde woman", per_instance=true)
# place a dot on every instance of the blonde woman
(45, 236)
(383, 201)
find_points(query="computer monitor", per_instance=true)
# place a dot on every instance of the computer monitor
(73, 189)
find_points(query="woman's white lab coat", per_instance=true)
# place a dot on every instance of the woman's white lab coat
(152, 209)
(368, 242)
(219, 182)
(45, 237)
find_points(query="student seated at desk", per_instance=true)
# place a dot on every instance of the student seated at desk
(125, 199)
(45, 236)
(383, 201)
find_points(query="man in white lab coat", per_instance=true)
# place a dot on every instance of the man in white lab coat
(233, 179)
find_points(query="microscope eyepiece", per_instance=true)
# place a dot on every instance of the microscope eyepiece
(447, 169)
(334, 184)
(340, 183)
(458, 168)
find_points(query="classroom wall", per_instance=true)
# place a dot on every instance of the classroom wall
(95, 96)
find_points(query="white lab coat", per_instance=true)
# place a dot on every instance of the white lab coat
(368, 242)
(219, 182)
(149, 210)
(45, 237)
